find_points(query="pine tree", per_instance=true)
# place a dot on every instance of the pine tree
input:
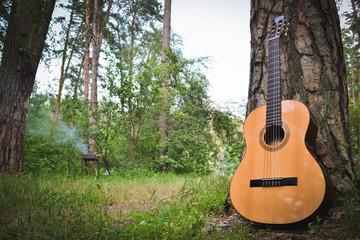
(25, 38)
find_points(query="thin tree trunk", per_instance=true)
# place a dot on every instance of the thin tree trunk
(94, 69)
(97, 42)
(353, 80)
(131, 55)
(357, 27)
(87, 53)
(163, 119)
(131, 111)
(356, 19)
(25, 39)
(77, 80)
(313, 72)
(56, 115)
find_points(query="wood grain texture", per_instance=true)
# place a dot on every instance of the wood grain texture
(291, 158)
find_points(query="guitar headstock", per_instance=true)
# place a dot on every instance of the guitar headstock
(277, 27)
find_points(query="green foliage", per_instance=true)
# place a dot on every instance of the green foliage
(318, 227)
(69, 207)
(127, 131)
(43, 207)
(189, 142)
(351, 45)
(351, 205)
(49, 146)
(184, 215)
(354, 114)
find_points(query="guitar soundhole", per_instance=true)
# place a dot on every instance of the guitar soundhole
(274, 135)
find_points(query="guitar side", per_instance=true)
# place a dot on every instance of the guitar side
(281, 183)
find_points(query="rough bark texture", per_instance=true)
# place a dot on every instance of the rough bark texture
(87, 53)
(312, 71)
(163, 119)
(96, 47)
(25, 38)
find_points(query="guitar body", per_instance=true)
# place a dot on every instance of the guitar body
(278, 180)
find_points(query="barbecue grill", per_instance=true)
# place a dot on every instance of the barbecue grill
(93, 159)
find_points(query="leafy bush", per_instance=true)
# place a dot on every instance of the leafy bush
(49, 146)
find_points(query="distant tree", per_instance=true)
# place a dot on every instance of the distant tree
(25, 38)
(66, 59)
(312, 71)
(87, 52)
(98, 35)
(351, 40)
(163, 119)
(355, 5)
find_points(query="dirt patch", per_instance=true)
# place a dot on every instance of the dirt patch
(115, 209)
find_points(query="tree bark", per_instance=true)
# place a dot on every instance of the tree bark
(97, 42)
(25, 39)
(312, 71)
(87, 53)
(163, 119)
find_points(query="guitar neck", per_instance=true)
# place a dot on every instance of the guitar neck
(273, 103)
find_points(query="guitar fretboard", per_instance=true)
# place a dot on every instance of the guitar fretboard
(273, 102)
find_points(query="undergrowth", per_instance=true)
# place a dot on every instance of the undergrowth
(71, 207)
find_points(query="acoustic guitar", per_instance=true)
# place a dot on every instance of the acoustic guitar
(279, 181)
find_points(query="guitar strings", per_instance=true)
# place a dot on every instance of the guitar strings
(274, 123)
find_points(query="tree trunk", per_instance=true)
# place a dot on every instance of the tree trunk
(97, 42)
(87, 53)
(163, 119)
(77, 80)
(25, 38)
(312, 71)
(353, 82)
(55, 117)
(356, 18)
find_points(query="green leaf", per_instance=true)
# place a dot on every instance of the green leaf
(138, 218)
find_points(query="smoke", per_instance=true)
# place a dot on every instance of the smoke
(61, 133)
(70, 134)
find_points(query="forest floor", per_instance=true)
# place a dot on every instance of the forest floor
(144, 206)
(331, 226)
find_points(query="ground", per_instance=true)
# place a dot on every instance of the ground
(331, 226)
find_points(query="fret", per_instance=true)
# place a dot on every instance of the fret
(273, 95)
(273, 84)
(274, 92)
(273, 105)
(274, 112)
(273, 101)
(274, 118)
(273, 76)
(276, 109)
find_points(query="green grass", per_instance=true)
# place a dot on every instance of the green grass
(154, 206)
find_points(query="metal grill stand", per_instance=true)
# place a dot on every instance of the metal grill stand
(94, 158)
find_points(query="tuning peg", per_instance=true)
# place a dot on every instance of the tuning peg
(286, 29)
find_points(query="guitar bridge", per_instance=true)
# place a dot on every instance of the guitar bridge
(274, 182)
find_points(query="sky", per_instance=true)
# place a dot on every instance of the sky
(219, 30)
